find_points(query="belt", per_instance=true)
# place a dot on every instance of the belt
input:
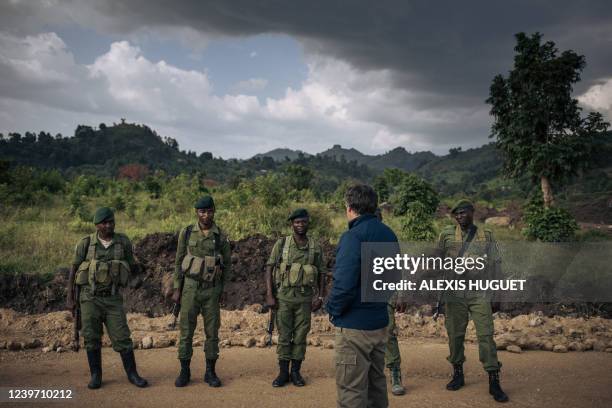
(204, 284)
(101, 292)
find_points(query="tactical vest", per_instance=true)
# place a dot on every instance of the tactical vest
(479, 247)
(114, 272)
(293, 274)
(206, 269)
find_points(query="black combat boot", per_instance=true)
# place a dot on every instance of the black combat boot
(210, 376)
(296, 377)
(129, 364)
(185, 375)
(458, 381)
(94, 358)
(396, 380)
(495, 388)
(283, 374)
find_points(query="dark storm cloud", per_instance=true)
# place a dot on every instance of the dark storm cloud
(448, 51)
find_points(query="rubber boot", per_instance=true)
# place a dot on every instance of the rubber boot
(283, 374)
(129, 364)
(458, 381)
(296, 377)
(185, 375)
(94, 358)
(210, 376)
(495, 388)
(396, 380)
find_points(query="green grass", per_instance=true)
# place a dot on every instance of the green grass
(41, 239)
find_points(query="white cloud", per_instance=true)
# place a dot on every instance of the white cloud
(335, 104)
(599, 97)
(253, 54)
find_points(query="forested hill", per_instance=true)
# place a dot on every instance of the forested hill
(105, 150)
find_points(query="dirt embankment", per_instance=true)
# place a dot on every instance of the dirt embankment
(148, 290)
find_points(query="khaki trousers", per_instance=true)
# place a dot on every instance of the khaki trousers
(360, 364)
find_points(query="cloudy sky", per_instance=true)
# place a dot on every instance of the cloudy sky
(239, 77)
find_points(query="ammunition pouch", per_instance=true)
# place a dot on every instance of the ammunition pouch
(205, 269)
(296, 275)
(98, 272)
(293, 274)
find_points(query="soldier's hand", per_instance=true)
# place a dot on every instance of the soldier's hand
(400, 307)
(176, 296)
(270, 301)
(316, 304)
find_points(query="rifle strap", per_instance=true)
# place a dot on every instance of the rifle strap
(468, 240)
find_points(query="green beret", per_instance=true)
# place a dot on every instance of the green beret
(462, 205)
(299, 213)
(103, 214)
(204, 202)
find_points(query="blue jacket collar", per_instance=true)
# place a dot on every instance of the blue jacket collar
(363, 217)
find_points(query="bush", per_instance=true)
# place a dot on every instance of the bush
(552, 224)
(414, 189)
(417, 224)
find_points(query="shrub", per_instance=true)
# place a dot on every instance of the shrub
(414, 189)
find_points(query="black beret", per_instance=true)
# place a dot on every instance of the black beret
(204, 202)
(103, 214)
(299, 213)
(462, 205)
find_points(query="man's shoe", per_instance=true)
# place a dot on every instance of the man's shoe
(94, 358)
(495, 388)
(457, 381)
(129, 364)
(185, 375)
(210, 376)
(283, 374)
(296, 377)
(396, 380)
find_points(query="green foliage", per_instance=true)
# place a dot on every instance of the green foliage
(412, 189)
(385, 183)
(28, 186)
(552, 224)
(299, 177)
(417, 224)
(537, 124)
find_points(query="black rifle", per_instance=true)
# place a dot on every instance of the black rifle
(270, 326)
(464, 247)
(176, 307)
(76, 314)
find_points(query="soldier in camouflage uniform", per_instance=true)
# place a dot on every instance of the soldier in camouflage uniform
(101, 267)
(467, 240)
(202, 268)
(293, 271)
(393, 358)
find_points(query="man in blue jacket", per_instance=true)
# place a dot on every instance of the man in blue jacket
(361, 327)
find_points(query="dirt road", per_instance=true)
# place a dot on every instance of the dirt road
(531, 379)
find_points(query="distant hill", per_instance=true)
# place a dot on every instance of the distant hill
(282, 154)
(401, 159)
(339, 153)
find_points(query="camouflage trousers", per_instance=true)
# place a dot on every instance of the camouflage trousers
(195, 300)
(97, 311)
(458, 312)
(293, 322)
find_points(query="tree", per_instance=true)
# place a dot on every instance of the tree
(537, 124)
(412, 189)
(299, 176)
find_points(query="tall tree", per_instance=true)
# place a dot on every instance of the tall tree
(537, 124)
